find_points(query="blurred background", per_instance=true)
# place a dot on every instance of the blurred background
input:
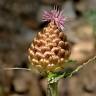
(20, 20)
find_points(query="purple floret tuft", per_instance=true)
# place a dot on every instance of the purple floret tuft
(55, 16)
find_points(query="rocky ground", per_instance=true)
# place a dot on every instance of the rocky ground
(20, 20)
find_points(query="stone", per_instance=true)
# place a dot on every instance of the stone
(20, 83)
(80, 51)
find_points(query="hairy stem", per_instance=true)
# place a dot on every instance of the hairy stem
(52, 89)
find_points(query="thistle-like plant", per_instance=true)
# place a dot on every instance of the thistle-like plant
(50, 49)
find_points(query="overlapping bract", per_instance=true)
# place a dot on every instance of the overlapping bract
(49, 49)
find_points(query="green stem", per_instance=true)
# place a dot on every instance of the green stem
(52, 89)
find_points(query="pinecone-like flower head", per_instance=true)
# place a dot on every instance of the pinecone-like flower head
(49, 49)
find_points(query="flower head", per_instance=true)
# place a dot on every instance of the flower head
(49, 49)
(55, 16)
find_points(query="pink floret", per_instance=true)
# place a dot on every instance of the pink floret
(55, 16)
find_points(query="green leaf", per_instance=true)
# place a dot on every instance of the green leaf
(68, 73)
(54, 77)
